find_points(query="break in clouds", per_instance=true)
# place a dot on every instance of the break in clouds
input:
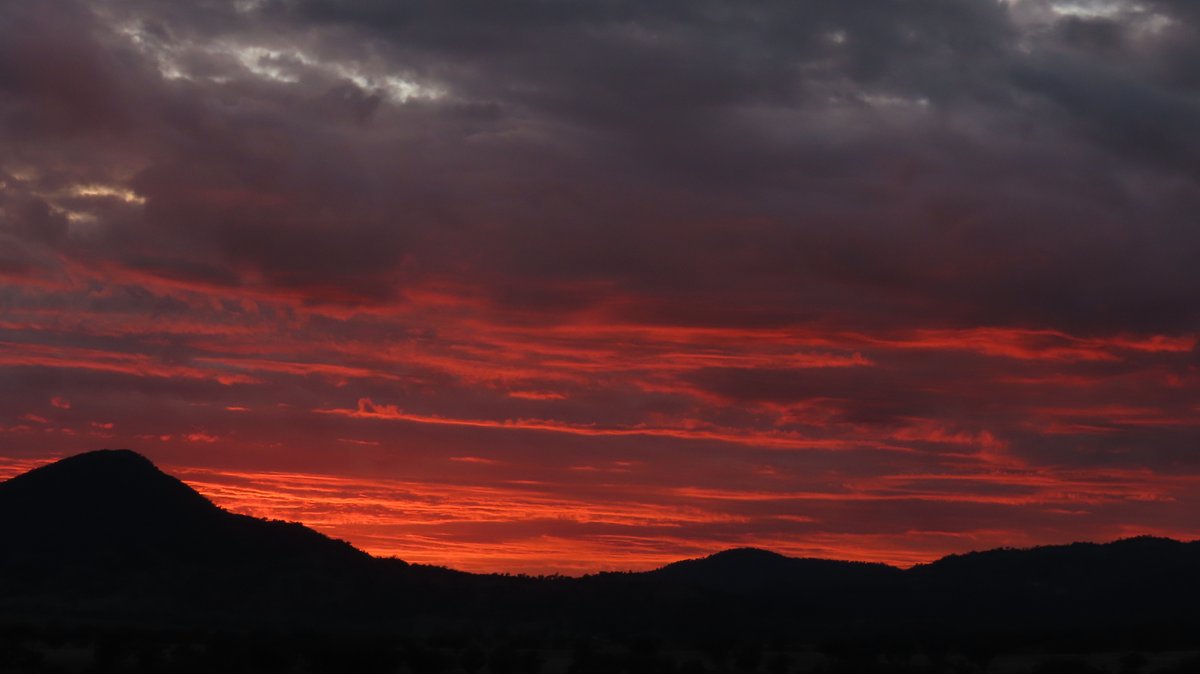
(522, 285)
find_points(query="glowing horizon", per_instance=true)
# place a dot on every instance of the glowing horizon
(392, 518)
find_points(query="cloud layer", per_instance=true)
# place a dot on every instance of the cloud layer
(567, 286)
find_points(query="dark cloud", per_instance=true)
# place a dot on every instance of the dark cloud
(917, 153)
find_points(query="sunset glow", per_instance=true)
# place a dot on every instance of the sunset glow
(881, 297)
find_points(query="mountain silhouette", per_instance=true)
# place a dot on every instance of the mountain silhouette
(751, 571)
(1138, 582)
(116, 506)
(108, 532)
(107, 536)
(107, 482)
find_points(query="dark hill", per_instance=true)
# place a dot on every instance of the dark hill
(108, 530)
(107, 481)
(101, 502)
(115, 505)
(751, 571)
(107, 535)
(1135, 582)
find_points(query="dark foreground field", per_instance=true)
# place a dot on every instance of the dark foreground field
(115, 649)
(109, 565)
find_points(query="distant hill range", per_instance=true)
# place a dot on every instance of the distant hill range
(107, 536)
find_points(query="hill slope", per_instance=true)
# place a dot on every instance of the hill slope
(751, 571)
(107, 531)
(115, 507)
(106, 534)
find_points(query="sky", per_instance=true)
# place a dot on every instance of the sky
(549, 286)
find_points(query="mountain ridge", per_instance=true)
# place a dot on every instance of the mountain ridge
(132, 476)
(109, 533)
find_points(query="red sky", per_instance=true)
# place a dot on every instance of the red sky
(858, 288)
